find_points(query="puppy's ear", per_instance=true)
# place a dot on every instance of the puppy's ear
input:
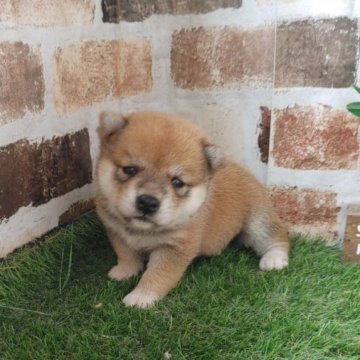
(213, 155)
(110, 123)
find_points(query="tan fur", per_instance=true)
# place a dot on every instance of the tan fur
(219, 201)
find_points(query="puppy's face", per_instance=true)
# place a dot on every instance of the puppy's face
(154, 169)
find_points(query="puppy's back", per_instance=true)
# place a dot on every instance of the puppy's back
(234, 197)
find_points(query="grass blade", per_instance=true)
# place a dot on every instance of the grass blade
(68, 272)
(15, 308)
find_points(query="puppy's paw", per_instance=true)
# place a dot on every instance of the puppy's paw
(274, 259)
(140, 299)
(123, 271)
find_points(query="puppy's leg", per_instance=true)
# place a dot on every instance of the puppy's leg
(129, 263)
(165, 268)
(268, 238)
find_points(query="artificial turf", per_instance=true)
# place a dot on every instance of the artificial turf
(57, 303)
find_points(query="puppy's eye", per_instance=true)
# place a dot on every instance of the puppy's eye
(177, 183)
(130, 170)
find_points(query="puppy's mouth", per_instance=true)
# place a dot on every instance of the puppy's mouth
(143, 218)
(141, 222)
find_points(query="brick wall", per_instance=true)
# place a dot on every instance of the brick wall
(314, 168)
(62, 62)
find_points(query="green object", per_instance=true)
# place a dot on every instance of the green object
(354, 107)
(357, 88)
(223, 308)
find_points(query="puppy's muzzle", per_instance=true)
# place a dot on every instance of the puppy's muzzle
(147, 204)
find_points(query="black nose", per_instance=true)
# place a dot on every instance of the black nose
(147, 204)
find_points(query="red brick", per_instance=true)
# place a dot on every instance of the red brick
(222, 57)
(320, 53)
(138, 10)
(264, 135)
(36, 173)
(47, 13)
(317, 137)
(89, 72)
(21, 80)
(16, 182)
(351, 240)
(133, 68)
(75, 210)
(307, 210)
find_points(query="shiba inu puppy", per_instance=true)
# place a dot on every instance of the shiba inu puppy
(167, 195)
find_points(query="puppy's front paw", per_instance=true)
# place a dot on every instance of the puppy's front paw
(274, 259)
(140, 299)
(123, 271)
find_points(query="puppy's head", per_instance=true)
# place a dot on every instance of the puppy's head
(154, 169)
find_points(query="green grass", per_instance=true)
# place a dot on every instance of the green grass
(224, 308)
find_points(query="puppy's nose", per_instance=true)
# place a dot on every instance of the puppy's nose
(147, 204)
